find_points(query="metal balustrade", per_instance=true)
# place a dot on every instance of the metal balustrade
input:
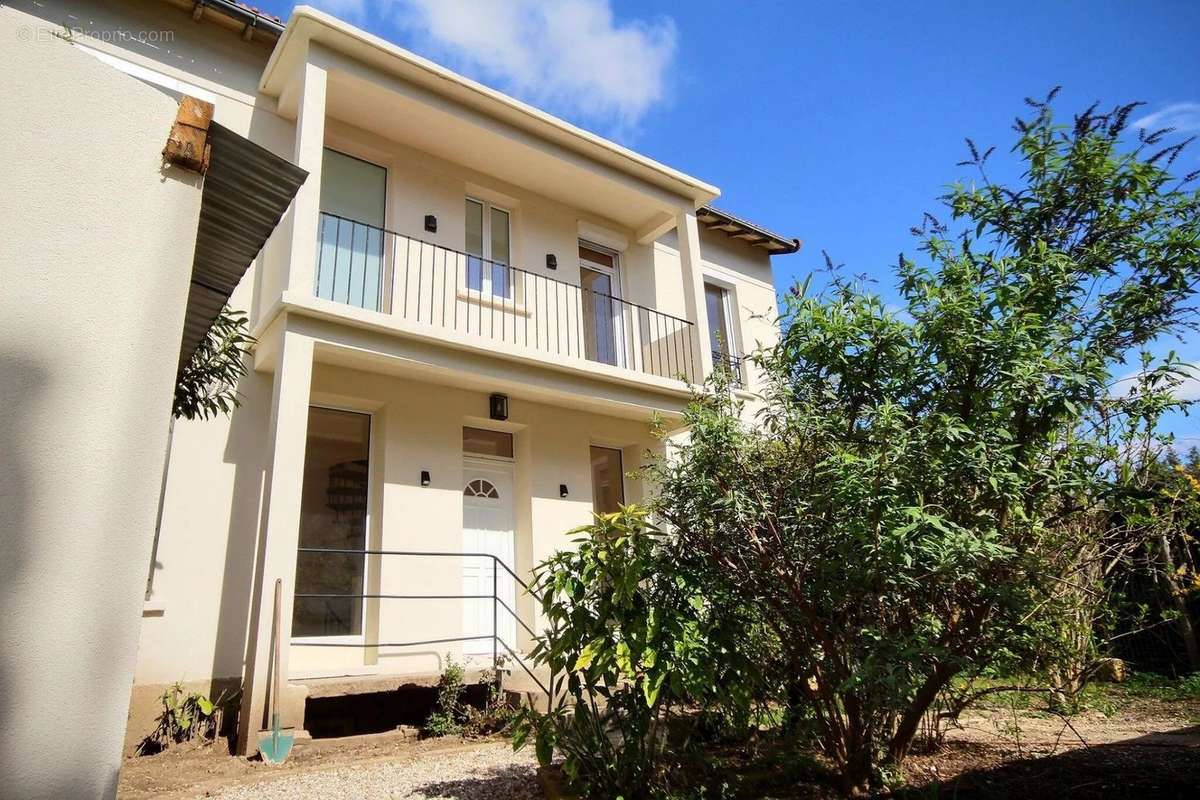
(381, 270)
(731, 366)
(497, 604)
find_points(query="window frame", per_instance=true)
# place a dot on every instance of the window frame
(361, 636)
(486, 286)
(620, 472)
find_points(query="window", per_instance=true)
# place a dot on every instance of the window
(601, 290)
(482, 442)
(608, 480)
(350, 247)
(333, 515)
(716, 298)
(481, 488)
(489, 249)
(720, 332)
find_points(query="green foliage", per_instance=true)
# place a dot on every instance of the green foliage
(916, 488)
(186, 716)
(207, 384)
(450, 711)
(634, 640)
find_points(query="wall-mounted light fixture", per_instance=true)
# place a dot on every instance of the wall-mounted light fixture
(424, 477)
(562, 490)
(498, 407)
(551, 261)
(431, 223)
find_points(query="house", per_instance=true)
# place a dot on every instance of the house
(466, 323)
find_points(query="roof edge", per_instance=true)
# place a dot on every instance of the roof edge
(755, 235)
(536, 121)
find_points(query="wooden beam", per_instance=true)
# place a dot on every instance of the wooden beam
(187, 144)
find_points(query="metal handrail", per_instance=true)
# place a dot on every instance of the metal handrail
(464, 254)
(430, 284)
(494, 597)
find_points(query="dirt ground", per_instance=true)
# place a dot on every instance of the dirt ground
(1143, 748)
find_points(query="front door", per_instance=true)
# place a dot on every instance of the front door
(487, 528)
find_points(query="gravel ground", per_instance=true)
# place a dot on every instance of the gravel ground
(489, 772)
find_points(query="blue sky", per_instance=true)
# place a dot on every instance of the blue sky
(838, 123)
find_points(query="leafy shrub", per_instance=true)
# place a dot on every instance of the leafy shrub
(186, 716)
(450, 709)
(630, 641)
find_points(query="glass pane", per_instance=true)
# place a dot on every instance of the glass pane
(718, 318)
(474, 245)
(350, 245)
(482, 442)
(333, 515)
(599, 309)
(501, 254)
(608, 480)
(596, 256)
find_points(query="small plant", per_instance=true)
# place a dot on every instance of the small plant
(496, 714)
(185, 716)
(450, 712)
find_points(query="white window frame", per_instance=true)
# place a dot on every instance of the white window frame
(614, 274)
(485, 288)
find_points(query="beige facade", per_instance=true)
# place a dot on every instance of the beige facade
(413, 319)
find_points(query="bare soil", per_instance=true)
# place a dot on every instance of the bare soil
(1145, 748)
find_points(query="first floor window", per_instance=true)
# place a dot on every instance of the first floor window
(489, 249)
(333, 516)
(608, 480)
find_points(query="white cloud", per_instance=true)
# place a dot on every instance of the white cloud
(1180, 116)
(571, 56)
(1187, 387)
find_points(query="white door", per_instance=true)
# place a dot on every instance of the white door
(488, 528)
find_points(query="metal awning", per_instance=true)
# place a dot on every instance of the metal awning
(737, 228)
(247, 188)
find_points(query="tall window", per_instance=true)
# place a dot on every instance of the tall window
(600, 288)
(716, 298)
(350, 246)
(488, 248)
(608, 480)
(333, 516)
(720, 332)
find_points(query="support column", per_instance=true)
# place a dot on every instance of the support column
(278, 538)
(693, 293)
(308, 153)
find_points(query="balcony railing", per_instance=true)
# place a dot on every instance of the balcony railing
(731, 366)
(424, 283)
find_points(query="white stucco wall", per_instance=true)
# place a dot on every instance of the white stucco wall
(98, 240)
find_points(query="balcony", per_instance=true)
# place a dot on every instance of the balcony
(493, 305)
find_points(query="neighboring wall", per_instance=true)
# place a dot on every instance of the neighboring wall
(98, 239)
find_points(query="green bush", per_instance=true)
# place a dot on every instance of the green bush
(185, 716)
(630, 641)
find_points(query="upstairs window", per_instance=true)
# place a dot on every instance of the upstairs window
(489, 249)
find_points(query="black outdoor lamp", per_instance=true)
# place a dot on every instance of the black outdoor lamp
(562, 490)
(431, 223)
(551, 261)
(424, 477)
(498, 407)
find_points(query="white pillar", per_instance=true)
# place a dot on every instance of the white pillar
(693, 293)
(279, 536)
(309, 149)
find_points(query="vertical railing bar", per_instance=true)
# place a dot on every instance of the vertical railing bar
(495, 613)
(337, 246)
(316, 290)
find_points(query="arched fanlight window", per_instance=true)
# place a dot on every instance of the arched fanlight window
(481, 488)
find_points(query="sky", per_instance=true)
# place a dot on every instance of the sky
(836, 123)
